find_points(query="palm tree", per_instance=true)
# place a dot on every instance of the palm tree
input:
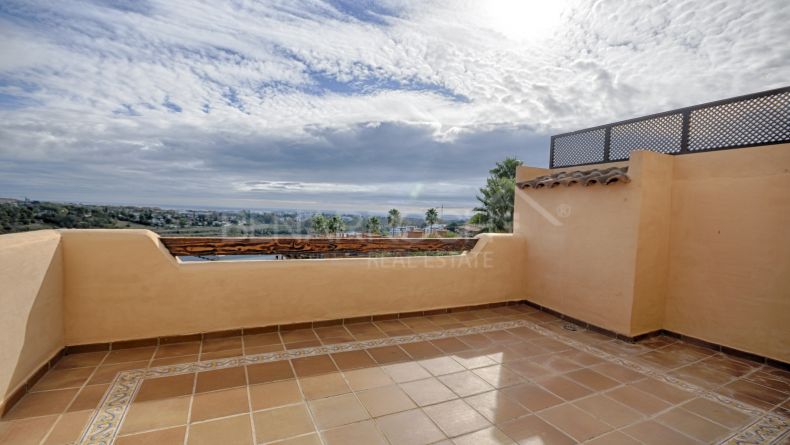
(497, 197)
(373, 225)
(336, 225)
(393, 219)
(431, 218)
(319, 224)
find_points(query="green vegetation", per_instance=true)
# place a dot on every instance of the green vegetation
(393, 220)
(431, 218)
(496, 212)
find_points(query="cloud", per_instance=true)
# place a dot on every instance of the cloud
(345, 103)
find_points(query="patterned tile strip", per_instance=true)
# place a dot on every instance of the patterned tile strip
(106, 421)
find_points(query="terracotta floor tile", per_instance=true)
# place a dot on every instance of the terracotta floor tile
(617, 372)
(269, 372)
(309, 439)
(441, 365)
(333, 334)
(173, 360)
(353, 360)
(267, 339)
(472, 359)
(36, 404)
(614, 438)
(730, 365)
(165, 387)
(488, 436)
(281, 423)
(335, 411)
(575, 422)
(564, 387)
(499, 376)
(653, 433)
(717, 412)
(702, 375)
(177, 350)
(68, 428)
(693, 425)
(223, 403)
(361, 379)
(752, 393)
(501, 336)
(385, 400)
(255, 350)
(365, 331)
(63, 378)
(274, 394)
(409, 428)
(298, 335)
(555, 363)
(592, 379)
(25, 431)
(476, 340)
(532, 396)
(129, 355)
(533, 430)
(663, 391)
(228, 431)
(528, 369)
(170, 436)
(406, 372)
(225, 353)
(581, 357)
(316, 365)
(388, 354)
(106, 373)
(221, 344)
(770, 381)
(638, 400)
(608, 410)
(496, 406)
(421, 350)
(155, 414)
(450, 345)
(303, 344)
(81, 360)
(465, 383)
(455, 417)
(428, 391)
(524, 333)
(325, 385)
(88, 398)
(361, 432)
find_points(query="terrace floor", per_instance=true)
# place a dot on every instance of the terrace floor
(502, 375)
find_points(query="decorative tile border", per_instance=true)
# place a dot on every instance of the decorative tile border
(103, 427)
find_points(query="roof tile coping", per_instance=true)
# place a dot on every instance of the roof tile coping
(604, 176)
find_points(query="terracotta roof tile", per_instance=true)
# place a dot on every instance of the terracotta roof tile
(605, 176)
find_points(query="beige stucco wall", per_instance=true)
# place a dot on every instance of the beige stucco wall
(31, 284)
(729, 277)
(697, 244)
(122, 284)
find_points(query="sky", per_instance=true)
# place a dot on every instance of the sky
(348, 105)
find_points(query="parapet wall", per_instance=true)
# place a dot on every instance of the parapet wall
(697, 244)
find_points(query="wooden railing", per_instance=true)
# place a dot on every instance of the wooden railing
(301, 247)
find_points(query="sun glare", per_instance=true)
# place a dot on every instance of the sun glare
(520, 19)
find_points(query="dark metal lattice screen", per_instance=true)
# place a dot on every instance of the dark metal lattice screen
(745, 121)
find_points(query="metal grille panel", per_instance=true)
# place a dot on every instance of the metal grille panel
(745, 121)
(584, 147)
(662, 134)
(749, 122)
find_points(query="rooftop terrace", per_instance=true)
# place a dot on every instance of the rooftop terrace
(653, 309)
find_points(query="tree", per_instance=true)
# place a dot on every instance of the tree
(393, 219)
(336, 225)
(319, 224)
(373, 225)
(497, 197)
(431, 218)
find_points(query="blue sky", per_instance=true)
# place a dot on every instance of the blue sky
(347, 105)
